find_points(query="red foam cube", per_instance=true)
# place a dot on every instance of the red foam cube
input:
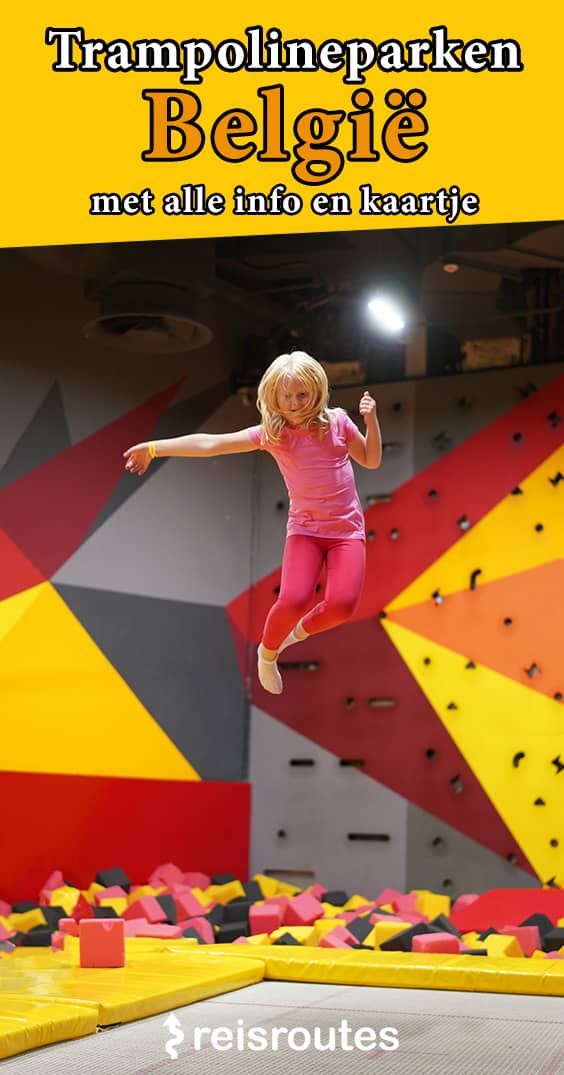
(55, 880)
(102, 942)
(338, 938)
(187, 906)
(68, 925)
(82, 909)
(157, 929)
(5, 909)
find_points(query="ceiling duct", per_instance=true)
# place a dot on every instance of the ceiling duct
(147, 315)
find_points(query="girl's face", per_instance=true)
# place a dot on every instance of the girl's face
(292, 399)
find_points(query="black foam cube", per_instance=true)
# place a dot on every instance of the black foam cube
(286, 938)
(401, 942)
(542, 922)
(23, 906)
(216, 915)
(253, 891)
(223, 878)
(360, 928)
(53, 914)
(191, 932)
(554, 940)
(337, 897)
(169, 907)
(444, 924)
(37, 937)
(104, 912)
(237, 910)
(229, 932)
(115, 876)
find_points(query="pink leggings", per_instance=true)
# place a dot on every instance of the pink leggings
(301, 566)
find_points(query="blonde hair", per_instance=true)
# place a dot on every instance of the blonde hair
(310, 373)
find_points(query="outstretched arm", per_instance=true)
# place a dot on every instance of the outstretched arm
(367, 451)
(194, 445)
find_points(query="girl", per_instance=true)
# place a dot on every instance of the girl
(313, 447)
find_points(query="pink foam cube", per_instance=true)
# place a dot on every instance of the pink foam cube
(203, 927)
(132, 925)
(55, 880)
(462, 902)
(57, 941)
(318, 891)
(435, 942)
(5, 909)
(114, 892)
(102, 942)
(552, 955)
(405, 903)
(5, 934)
(187, 906)
(302, 910)
(157, 929)
(528, 937)
(146, 907)
(196, 880)
(168, 874)
(388, 895)
(338, 938)
(264, 919)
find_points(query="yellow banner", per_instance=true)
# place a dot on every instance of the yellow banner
(135, 122)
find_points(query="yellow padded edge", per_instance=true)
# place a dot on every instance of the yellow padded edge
(28, 1022)
(407, 970)
(154, 980)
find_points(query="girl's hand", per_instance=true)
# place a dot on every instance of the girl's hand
(367, 407)
(137, 459)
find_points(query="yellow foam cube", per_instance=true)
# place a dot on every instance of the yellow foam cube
(500, 945)
(65, 897)
(267, 885)
(431, 903)
(382, 931)
(26, 920)
(202, 896)
(325, 925)
(259, 938)
(386, 907)
(356, 901)
(224, 893)
(303, 934)
(286, 889)
(330, 911)
(472, 939)
(91, 892)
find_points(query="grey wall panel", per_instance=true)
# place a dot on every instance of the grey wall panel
(442, 859)
(184, 536)
(458, 407)
(45, 435)
(180, 661)
(317, 807)
(22, 393)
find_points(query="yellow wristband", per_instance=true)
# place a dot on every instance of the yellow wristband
(152, 451)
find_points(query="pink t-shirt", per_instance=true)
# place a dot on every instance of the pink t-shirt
(319, 478)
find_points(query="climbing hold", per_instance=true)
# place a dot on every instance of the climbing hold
(539, 527)
(432, 494)
(394, 533)
(456, 785)
(539, 802)
(517, 437)
(464, 523)
(508, 622)
(371, 535)
(558, 477)
(554, 419)
(350, 703)
(470, 664)
(517, 491)
(452, 705)
(557, 763)
(426, 660)
(533, 670)
(512, 858)
(517, 758)
(474, 576)
(437, 597)
(430, 753)
(554, 843)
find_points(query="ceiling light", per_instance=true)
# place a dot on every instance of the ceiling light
(387, 314)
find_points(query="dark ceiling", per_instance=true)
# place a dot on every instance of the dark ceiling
(498, 283)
